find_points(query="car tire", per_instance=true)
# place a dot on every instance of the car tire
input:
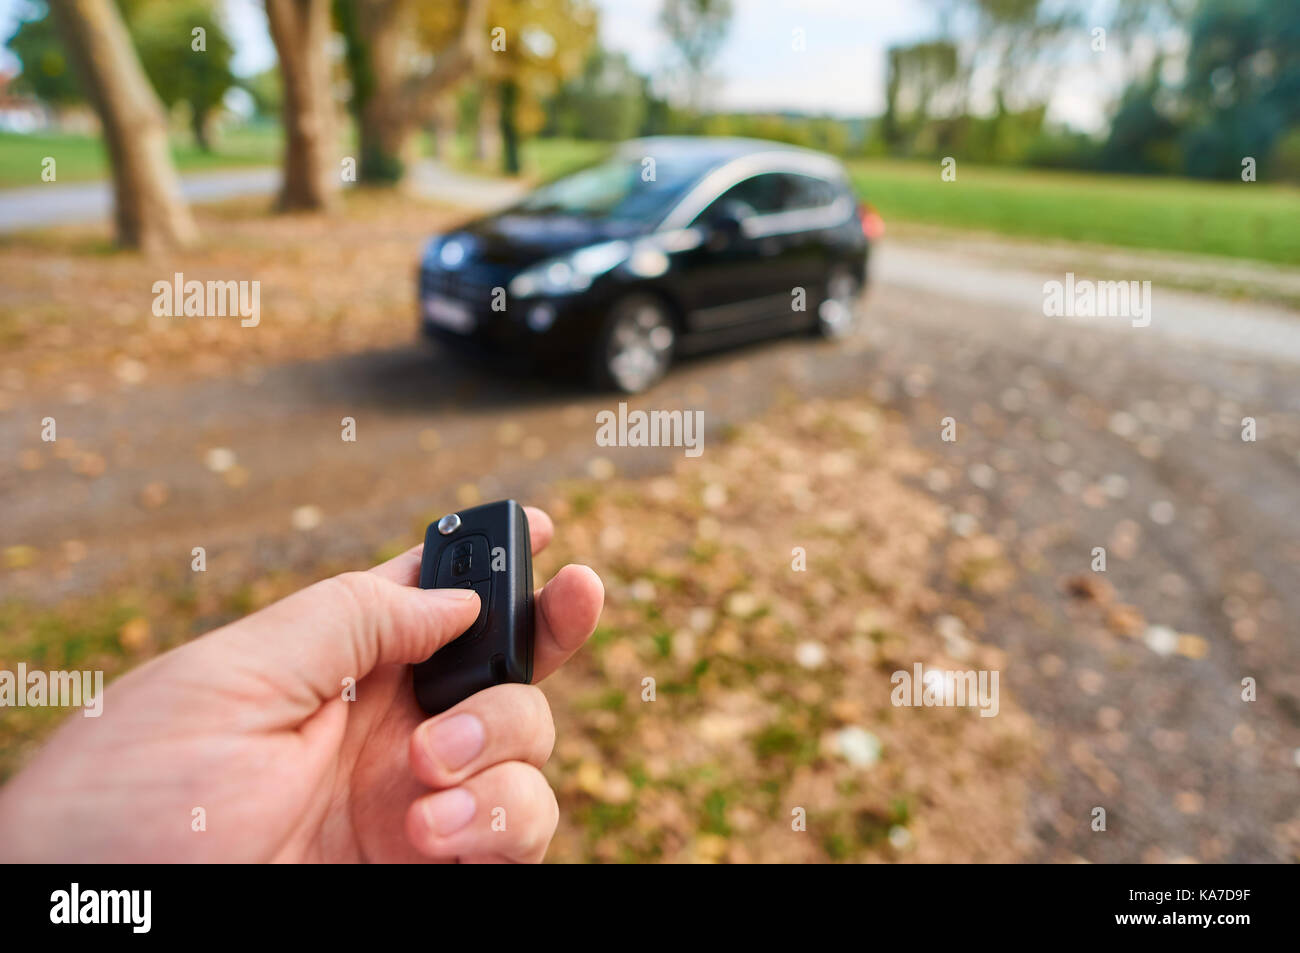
(635, 346)
(837, 312)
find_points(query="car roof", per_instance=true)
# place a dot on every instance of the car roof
(718, 148)
(724, 161)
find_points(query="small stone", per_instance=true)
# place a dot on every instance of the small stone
(1161, 639)
(742, 605)
(219, 459)
(810, 655)
(858, 746)
(1161, 512)
(305, 518)
(1122, 424)
(963, 524)
(714, 496)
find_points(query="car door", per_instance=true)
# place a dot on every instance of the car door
(732, 278)
(798, 233)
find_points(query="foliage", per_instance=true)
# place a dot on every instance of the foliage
(696, 29)
(606, 100)
(46, 72)
(162, 32)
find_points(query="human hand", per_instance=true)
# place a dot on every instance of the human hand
(249, 723)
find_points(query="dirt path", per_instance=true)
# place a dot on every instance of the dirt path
(1071, 435)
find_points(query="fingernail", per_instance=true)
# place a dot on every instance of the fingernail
(449, 811)
(453, 595)
(456, 741)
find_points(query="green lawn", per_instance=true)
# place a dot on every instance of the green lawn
(80, 158)
(1234, 219)
(542, 159)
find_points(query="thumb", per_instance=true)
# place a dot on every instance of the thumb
(344, 627)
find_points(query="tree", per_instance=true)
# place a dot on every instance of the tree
(183, 67)
(46, 74)
(162, 32)
(546, 43)
(1242, 86)
(919, 78)
(697, 29)
(607, 100)
(300, 30)
(149, 211)
(396, 85)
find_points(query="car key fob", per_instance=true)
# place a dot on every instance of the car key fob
(486, 549)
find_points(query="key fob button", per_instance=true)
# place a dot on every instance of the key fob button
(465, 560)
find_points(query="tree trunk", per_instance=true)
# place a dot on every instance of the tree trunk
(487, 138)
(201, 127)
(444, 130)
(300, 30)
(382, 26)
(149, 211)
(391, 103)
(510, 127)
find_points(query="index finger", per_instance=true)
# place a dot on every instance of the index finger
(405, 569)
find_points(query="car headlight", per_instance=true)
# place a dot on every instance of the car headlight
(446, 251)
(570, 273)
(430, 257)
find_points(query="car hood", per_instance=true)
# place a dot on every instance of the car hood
(519, 238)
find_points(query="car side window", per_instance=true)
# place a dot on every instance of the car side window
(805, 192)
(758, 195)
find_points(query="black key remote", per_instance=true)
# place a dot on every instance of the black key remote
(486, 549)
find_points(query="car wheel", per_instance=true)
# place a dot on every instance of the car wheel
(635, 346)
(837, 315)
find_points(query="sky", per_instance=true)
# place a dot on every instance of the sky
(840, 71)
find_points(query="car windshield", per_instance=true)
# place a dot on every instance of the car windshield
(624, 189)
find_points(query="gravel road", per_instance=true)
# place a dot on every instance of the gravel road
(1071, 434)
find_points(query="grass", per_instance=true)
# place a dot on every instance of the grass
(542, 159)
(1232, 219)
(81, 158)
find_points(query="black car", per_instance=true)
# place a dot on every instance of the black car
(672, 245)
